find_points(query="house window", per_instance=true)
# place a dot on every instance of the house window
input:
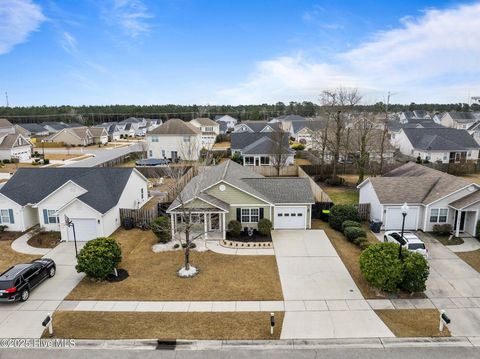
(163, 153)
(265, 160)
(150, 153)
(154, 139)
(209, 129)
(248, 160)
(50, 216)
(141, 193)
(5, 216)
(250, 215)
(186, 139)
(438, 215)
(469, 153)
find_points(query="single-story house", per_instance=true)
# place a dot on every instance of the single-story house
(15, 146)
(229, 191)
(6, 127)
(54, 127)
(99, 135)
(90, 197)
(112, 130)
(31, 130)
(437, 144)
(433, 197)
(459, 120)
(77, 136)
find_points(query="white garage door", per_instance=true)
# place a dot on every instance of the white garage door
(393, 218)
(85, 229)
(290, 217)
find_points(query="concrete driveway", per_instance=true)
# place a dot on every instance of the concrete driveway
(313, 276)
(23, 320)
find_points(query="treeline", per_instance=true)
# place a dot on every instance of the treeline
(99, 114)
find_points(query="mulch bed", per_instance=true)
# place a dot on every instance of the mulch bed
(45, 240)
(247, 239)
(9, 236)
(122, 275)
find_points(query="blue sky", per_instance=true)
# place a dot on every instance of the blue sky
(230, 52)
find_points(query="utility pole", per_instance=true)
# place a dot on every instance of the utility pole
(6, 98)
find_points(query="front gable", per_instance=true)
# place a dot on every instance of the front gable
(233, 195)
(62, 195)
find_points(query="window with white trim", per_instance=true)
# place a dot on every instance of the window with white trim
(264, 160)
(4, 216)
(248, 160)
(438, 215)
(250, 215)
(51, 216)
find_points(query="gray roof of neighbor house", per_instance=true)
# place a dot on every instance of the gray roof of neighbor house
(205, 121)
(132, 120)
(313, 125)
(98, 131)
(462, 117)
(440, 139)
(415, 183)
(175, 126)
(291, 118)
(104, 185)
(7, 141)
(32, 127)
(5, 123)
(240, 140)
(55, 125)
(239, 177)
(222, 126)
(265, 146)
(257, 126)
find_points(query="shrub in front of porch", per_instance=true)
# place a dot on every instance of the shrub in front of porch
(264, 227)
(442, 229)
(234, 228)
(349, 223)
(353, 233)
(341, 213)
(99, 257)
(162, 228)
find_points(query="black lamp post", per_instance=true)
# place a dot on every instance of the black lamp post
(69, 223)
(402, 240)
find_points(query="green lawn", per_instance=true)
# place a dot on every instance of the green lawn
(342, 194)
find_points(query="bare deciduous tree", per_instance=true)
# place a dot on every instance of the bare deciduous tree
(384, 133)
(280, 150)
(363, 129)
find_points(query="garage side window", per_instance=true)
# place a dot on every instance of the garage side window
(438, 215)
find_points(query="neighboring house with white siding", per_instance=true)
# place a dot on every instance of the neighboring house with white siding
(210, 130)
(459, 120)
(433, 197)
(174, 139)
(15, 146)
(90, 197)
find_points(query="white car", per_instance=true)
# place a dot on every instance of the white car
(410, 241)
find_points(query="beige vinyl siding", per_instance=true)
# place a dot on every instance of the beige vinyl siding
(197, 203)
(68, 138)
(234, 196)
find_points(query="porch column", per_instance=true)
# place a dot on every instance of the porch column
(223, 226)
(205, 225)
(476, 221)
(172, 221)
(459, 217)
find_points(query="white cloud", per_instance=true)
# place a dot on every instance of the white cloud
(18, 18)
(131, 15)
(434, 57)
(69, 42)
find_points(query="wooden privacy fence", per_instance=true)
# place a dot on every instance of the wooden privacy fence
(139, 216)
(363, 211)
(318, 193)
(271, 171)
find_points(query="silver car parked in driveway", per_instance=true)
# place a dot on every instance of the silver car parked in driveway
(409, 241)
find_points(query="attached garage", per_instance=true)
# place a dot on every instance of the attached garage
(393, 218)
(291, 217)
(85, 229)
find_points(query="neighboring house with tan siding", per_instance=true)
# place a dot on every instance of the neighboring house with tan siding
(229, 191)
(99, 134)
(77, 136)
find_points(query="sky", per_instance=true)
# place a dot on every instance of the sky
(89, 52)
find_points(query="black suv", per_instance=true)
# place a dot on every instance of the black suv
(17, 282)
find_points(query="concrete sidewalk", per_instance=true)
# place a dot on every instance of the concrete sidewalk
(21, 245)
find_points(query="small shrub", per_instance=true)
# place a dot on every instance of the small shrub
(381, 266)
(341, 213)
(176, 245)
(303, 141)
(335, 181)
(2, 228)
(298, 147)
(442, 229)
(478, 230)
(162, 228)
(234, 228)
(416, 271)
(99, 257)
(6, 160)
(237, 157)
(192, 245)
(419, 159)
(46, 161)
(264, 227)
(349, 223)
(353, 233)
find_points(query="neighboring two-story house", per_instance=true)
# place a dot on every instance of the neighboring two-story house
(442, 144)
(210, 130)
(459, 120)
(226, 122)
(174, 139)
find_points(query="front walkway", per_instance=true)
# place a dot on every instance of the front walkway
(469, 244)
(20, 244)
(24, 320)
(215, 246)
(311, 274)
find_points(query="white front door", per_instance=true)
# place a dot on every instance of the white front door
(393, 218)
(85, 229)
(294, 217)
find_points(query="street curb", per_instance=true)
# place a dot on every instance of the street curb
(284, 344)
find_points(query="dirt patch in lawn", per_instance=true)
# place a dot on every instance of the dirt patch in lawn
(413, 322)
(45, 240)
(143, 325)
(471, 258)
(152, 276)
(350, 255)
(8, 257)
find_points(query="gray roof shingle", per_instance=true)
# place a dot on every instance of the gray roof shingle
(440, 139)
(175, 126)
(104, 185)
(265, 146)
(240, 140)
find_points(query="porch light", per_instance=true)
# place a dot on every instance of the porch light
(405, 209)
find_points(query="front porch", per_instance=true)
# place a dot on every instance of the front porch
(464, 222)
(205, 224)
